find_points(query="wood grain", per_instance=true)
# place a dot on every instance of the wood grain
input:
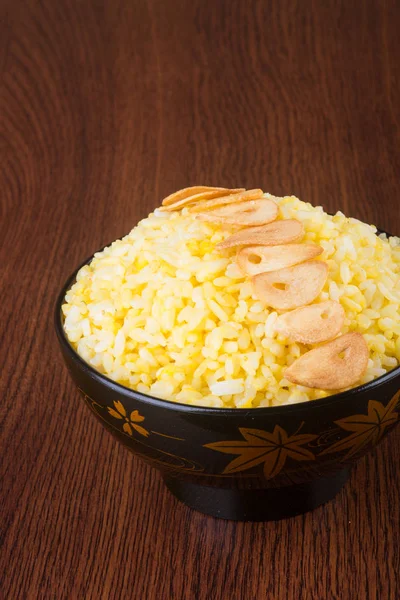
(106, 107)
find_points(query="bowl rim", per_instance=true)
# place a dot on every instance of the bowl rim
(180, 406)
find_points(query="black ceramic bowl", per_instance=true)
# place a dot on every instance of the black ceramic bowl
(243, 464)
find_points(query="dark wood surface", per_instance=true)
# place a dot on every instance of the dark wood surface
(106, 106)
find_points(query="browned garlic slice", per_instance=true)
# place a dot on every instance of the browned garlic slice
(312, 324)
(193, 198)
(191, 191)
(291, 287)
(336, 365)
(228, 199)
(252, 212)
(261, 259)
(278, 232)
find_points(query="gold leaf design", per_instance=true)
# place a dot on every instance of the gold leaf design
(366, 428)
(136, 417)
(120, 407)
(261, 447)
(115, 414)
(131, 422)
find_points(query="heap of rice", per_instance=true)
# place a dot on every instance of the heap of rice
(162, 312)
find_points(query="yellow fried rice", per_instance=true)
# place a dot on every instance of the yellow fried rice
(164, 313)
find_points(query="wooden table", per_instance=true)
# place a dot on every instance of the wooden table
(106, 107)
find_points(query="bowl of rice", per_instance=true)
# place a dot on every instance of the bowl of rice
(245, 345)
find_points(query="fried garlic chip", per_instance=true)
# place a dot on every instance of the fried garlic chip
(246, 214)
(189, 196)
(272, 234)
(241, 196)
(263, 259)
(336, 365)
(291, 287)
(312, 324)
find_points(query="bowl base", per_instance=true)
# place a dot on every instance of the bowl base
(257, 505)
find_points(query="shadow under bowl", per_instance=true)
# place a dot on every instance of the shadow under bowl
(255, 464)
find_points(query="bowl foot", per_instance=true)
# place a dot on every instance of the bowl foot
(257, 505)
